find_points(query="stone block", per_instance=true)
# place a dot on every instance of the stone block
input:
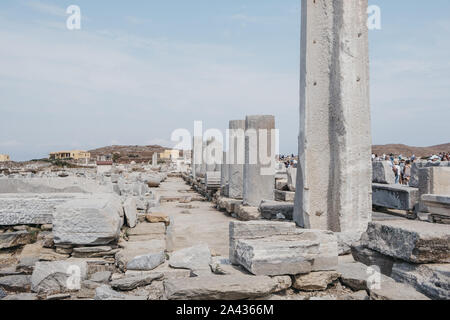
(224, 287)
(276, 210)
(382, 172)
(95, 220)
(413, 241)
(394, 196)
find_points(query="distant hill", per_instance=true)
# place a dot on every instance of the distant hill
(405, 150)
(126, 154)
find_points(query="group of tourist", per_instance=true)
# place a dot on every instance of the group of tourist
(401, 166)
(288, 160)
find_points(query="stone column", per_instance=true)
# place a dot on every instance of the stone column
(197, 155)
(334, 172)
(155, 159)
(259, 176)
(224, 175)
(236, 158)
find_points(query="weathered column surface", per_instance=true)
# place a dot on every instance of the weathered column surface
(224, 176)
(259, 175)
(334, 172)
(236, 158)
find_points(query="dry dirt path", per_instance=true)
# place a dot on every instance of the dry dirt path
(195, 222)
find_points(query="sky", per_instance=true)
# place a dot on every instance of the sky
(137, 70)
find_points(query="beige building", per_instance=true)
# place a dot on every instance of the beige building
(169, 154)
(4, 158)
(74, 154)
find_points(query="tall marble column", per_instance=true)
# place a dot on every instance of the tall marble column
(334, 171)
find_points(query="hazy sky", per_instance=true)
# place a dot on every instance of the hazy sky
(137, 70)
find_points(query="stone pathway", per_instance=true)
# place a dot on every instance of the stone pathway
(195, 222)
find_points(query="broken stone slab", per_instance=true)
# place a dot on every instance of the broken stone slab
(392, 290)
(315, 281)
(276, 210)
(16, 283)
(105, 292)
(224, 287)
(413, 241)
(130, 211)
(15, 239)
(371, 257)
(246, 213)
(195, 258)
(58, 276)
(147, 262)
(433, 280)
(131, 283)
(92, 221)
(382, 172)
(2, 293)
(394, 196)
(138, 248)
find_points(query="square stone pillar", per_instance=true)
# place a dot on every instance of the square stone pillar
(259, 175)
(334, 171)
(155, 159)
(224, 176)
(236, 158)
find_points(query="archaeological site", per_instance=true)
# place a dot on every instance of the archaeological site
(228, 216)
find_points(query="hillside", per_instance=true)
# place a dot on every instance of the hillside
(405, 150)
(126, 154)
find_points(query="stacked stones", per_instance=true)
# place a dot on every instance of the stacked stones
(53, 228)
(411, 252)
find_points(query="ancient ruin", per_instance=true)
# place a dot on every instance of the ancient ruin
(228, 219)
